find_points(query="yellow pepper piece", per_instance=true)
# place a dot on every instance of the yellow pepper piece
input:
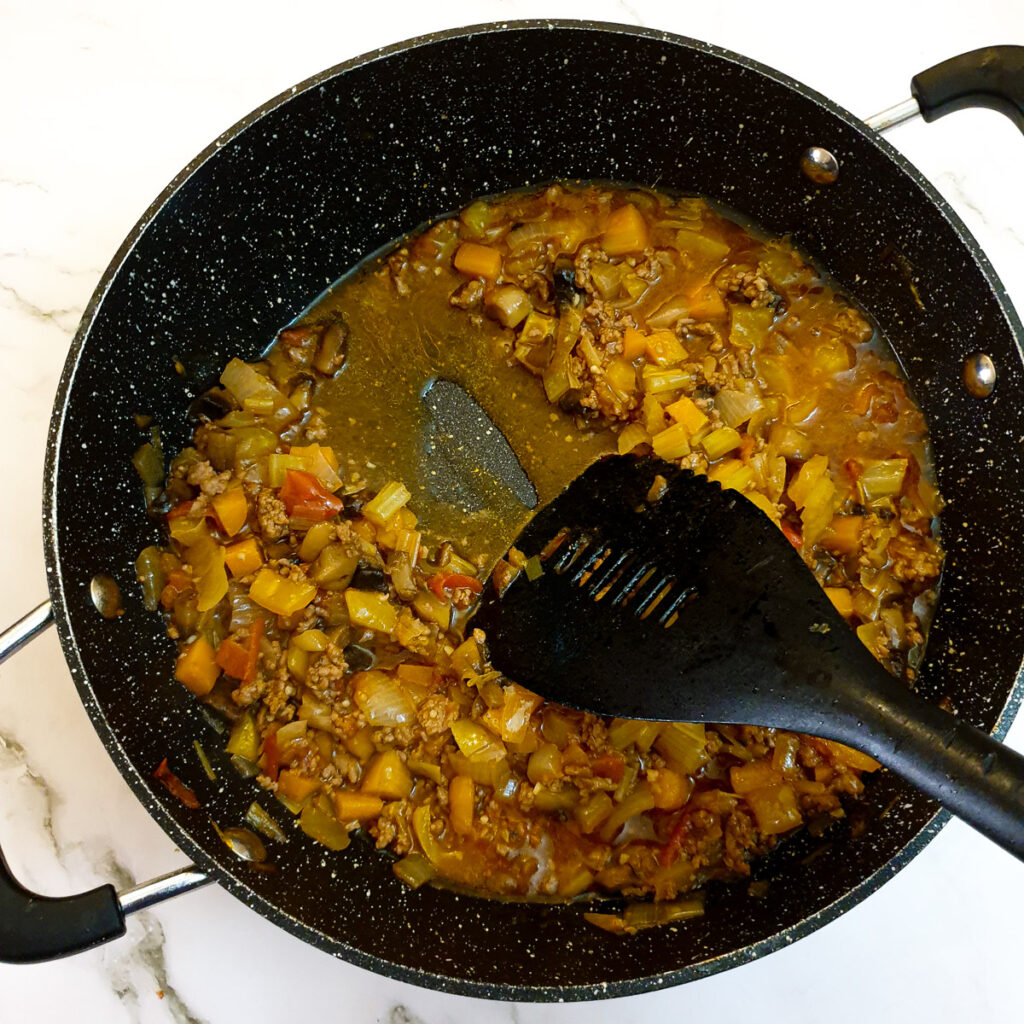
(232, 510)
(841, 599)
(370, 609)
(279, 595)
(196, 667)
(684, 410)
(295, 786)
(664, 349)
(244, 557)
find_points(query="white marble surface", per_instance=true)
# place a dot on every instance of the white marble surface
(102, 103)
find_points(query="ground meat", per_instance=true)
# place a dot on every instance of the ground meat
(326, 669)
(436, 714)
(469, 295)
(207, 479)
(749, 284)
(272, 515)
(413, 634)
(914, 558)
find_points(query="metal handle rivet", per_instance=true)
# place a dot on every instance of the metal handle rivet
(979, 374)
(819, 165)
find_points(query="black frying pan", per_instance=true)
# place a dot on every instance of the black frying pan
(271, 213)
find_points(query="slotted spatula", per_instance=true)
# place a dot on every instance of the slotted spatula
(694, 607)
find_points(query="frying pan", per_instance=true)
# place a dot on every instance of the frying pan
(250, 232)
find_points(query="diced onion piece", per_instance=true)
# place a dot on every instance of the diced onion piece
(755, 775)
(279, 595)
(371, 609)
(545, 764)
(382, 698)
(736, 407)
(639, 801)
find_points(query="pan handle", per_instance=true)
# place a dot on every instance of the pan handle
(991, 77)
(35, 928)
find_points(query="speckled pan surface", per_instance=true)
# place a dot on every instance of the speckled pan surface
(286, 202)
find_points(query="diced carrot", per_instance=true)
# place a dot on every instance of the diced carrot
(670, 789)
(243, 557)
(461, 797)
(634, 343)
(706, 304)
(350, 806)
(196, 667)
(625, 231)
(233, 658)
(609, 766)
(475, 260)
(231, 510)
(684, 410)
(840, 753)
(842, 536)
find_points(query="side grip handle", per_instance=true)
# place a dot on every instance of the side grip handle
(991, 77)
(34, 928)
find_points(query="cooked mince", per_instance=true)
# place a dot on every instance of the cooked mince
(326, 544)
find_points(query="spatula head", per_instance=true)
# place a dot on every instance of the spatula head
(673, 601)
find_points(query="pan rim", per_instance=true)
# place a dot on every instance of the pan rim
(140, 786)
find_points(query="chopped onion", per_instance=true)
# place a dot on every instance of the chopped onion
(382, 698)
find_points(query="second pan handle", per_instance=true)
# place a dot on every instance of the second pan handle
(991, 77)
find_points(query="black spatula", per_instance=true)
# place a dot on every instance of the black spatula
(695, 607)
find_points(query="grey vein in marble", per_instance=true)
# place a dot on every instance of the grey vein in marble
(47, 315)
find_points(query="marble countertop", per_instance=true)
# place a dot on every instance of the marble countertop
(103, 103)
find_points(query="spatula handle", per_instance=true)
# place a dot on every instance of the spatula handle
(971, 774)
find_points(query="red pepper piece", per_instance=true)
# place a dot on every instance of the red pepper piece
(441, 582)
(793, 535)
(175, 786)
(306, 498)
(253, 652)
(270, 762)
(670, 851)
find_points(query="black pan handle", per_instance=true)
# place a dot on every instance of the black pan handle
(991, 77)
(34, 928)
(966, 770)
